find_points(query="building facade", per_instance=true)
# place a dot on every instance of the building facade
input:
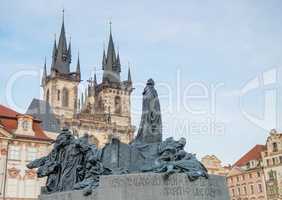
(246, 179)
(214, 165)
(272, 162)
(103, 110)
(21, 140)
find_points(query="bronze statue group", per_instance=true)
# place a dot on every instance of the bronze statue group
(75, 164)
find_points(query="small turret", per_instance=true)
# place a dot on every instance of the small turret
(44, 76)
(129, 80)
(78, 72)
(54, 54)
(104, 62)
(69, 52)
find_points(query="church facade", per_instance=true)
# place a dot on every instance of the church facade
(104, 110)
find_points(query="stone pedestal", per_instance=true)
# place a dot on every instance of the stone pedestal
(151, 187)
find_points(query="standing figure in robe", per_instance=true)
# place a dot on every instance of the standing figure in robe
(150, 129)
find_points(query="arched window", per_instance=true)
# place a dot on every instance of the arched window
(47, 96)
(65, 99)
(59, 95)
(117, 105)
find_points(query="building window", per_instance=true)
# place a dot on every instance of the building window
(245, 190)
(258, 174)
(272, 175)
(58, 95)
(14, 153)
(250, 176)
(31, 153)
(25, 125)
(233, 192)
(65, 99)
(117, 105)
(280, 159)
(252, 189)
(260, 188)
(275, 147)
(239, 191)
(48, 96)
(273, 161)
(267, 162)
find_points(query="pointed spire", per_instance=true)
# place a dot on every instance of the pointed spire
(111, 54)
(62, 39)
(95, 79)
(54, 48)
(54, 54)
(63, 57)
(104, 62)
(111, 68)
(118, 63)
(69, 51)
(44, 73)
(129, 80)
(78, 72)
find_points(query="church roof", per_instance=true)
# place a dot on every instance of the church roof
(42, 111)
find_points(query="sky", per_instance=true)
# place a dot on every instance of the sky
(216, 63)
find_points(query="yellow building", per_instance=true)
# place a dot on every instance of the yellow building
(214, 165)
(21, 140)
(272, 162)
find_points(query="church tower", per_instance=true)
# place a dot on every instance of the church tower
(61, 85)
(113, 95)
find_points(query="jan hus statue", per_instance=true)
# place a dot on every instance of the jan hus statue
(150, 129)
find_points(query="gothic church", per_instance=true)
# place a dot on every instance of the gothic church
(103, 111)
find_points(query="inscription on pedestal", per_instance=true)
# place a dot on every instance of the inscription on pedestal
(151, 187)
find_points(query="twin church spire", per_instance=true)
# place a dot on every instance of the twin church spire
(62, 58)
(111, 63)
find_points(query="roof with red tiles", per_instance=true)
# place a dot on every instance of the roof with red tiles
(253, 154)
(7, 112)
(8, 119)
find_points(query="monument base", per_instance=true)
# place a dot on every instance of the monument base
(151, 187)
